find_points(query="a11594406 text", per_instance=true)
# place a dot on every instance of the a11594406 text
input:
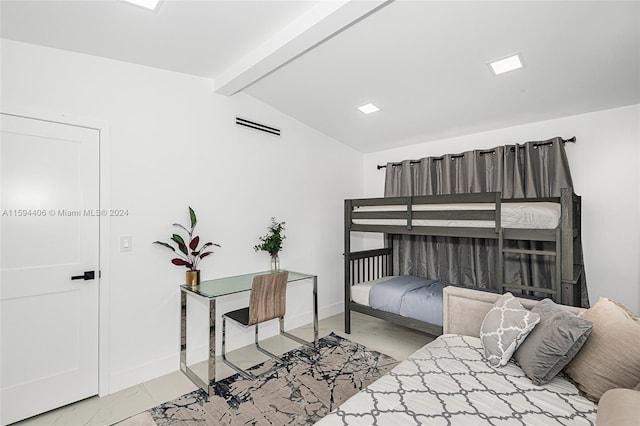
(64, 212)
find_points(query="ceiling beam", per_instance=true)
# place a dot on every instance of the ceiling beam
(320, 23)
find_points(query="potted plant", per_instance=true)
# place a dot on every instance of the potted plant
(187, 250)
(272, 243)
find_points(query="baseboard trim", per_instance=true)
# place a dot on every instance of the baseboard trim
(143, 373)
(159, 367)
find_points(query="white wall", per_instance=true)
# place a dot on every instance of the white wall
(604, 165)
(173, 144)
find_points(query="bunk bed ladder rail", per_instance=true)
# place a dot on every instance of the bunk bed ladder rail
(555, 290)
(569, 267)
(572, 262)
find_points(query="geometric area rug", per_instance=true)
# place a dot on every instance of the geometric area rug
(313, 383)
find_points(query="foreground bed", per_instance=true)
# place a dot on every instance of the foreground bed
(449, 382)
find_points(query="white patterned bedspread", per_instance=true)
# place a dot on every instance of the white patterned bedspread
(447, 382)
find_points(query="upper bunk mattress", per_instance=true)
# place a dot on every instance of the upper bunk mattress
(532, 215)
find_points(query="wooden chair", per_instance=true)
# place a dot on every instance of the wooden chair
(267, 301)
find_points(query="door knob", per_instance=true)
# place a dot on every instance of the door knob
(88, 275)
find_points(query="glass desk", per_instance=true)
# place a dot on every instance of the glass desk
(218, 287)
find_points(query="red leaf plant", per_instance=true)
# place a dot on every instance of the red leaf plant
(189, 253)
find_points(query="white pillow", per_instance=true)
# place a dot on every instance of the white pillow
(504, 328)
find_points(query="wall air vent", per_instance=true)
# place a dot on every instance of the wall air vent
(257, 126)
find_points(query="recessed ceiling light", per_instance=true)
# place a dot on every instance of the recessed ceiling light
(147, 4)
(507, 64)
(368, 108)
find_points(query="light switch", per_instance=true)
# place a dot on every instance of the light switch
(126, 243)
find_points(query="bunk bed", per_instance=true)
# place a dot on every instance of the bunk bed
(555, 220)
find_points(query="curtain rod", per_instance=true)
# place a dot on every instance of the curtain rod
(489, 151)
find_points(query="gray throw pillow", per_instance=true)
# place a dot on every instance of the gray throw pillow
(553, 343)
(504, 327)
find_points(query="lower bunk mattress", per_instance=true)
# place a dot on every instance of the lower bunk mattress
(408, 296)
(448, 382)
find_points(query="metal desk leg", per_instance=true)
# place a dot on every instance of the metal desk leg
(183, 331)
(209, 386)
(315, 320)
(315, 310)
(212, 346)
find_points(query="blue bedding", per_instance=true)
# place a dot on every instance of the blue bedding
(409, 296)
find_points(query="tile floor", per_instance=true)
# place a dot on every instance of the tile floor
(396, 341)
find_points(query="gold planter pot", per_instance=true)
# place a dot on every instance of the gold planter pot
(193, 278)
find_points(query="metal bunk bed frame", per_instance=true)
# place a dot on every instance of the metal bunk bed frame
(369, 265)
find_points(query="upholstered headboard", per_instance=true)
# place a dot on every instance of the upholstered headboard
(464, 309)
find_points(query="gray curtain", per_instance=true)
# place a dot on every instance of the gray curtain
(534, 169)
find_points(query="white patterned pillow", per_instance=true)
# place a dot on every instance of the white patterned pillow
(504, 327)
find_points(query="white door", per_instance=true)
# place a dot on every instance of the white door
(49, 234)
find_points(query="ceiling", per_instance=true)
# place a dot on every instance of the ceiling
(424, 63)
